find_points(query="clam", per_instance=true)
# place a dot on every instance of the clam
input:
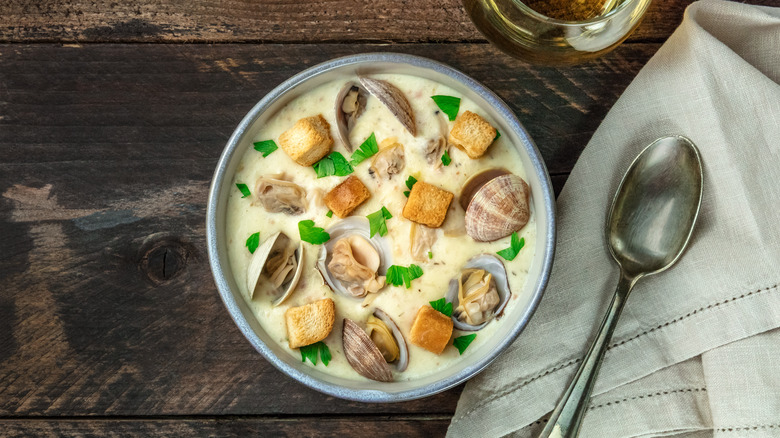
(350, 104)
(276, 263)
(280, 196)
(496, 204)
(421, 240)
(436, 146)
(352, 263)
(389, 160)
(479, 293)
(393, 99)
(369, 353)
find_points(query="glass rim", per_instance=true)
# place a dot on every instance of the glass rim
(533, 13)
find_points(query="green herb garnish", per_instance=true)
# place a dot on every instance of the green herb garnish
(498, 135)
(398, 275)
(441, 305)
(312, 351)
(253, 242)
(329, 213)
(266, 147)
(409, 183)
(333, 164)
(244, 190)
(366, 150)
(430, 255)
(310, 233)
(377, 222)
(448, 104)
(515, 247)
(463, 342)
(445, 159)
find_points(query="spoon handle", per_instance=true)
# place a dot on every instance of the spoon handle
(567, 416)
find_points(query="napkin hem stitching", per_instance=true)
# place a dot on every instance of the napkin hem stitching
(650, 395)
(741, 428)
(560, 366)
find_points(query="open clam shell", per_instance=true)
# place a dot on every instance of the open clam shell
(350, 104)
(353, 225)
(497, 208)
(272, 248)
(363, 355)
(393, 99)
(495, 267)
(403, 358)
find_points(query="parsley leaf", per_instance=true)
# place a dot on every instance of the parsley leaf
(442, 306)
(253, 242)
(312, 351)
(310, 233)
(511, 252)
(333, 164)
(409, 183)
(244, 190)
(398, 275)
(450, 105)
(430, 254)
(365, 151)
(329, 213)
(377, 222)
(445, 159)
(498, 135)
(266, 147)
(463, 342)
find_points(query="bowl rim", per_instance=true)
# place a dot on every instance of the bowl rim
(220, 273)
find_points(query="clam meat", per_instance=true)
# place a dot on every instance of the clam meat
(350, 104)
(280, 196)
(479, 293)
(369, 352)
(352, 263)
(496, 206)
(389, 160)
(393, 99)
(436, 146)
(421, 240)
(275, 265)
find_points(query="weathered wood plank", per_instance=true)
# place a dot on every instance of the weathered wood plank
(107, 305)
(371, 426)
(267, 21)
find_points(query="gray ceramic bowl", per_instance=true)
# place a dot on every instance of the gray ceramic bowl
(513, 322)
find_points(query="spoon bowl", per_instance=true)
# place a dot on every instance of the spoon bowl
(655, 207)
(649, 225)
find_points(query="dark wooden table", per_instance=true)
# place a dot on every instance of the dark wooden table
(112, 117)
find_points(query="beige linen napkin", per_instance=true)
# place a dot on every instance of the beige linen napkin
(694, 352)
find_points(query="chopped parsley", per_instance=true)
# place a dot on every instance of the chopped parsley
(463, 342)
(441, 305)
(244, 190)
(450, 105)
(266, 147)
(430, 254)
(398, 275)
(253, 242)
(310, 233)
(312, 351)
(409, 183)
(329, 213)
(514, 248)
(498, 135)
(333, 164)
(377, 222)
(445, 159)
(365, 151)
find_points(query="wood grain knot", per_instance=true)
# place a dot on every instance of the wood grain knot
(164, 259)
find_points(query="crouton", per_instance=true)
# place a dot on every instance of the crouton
(308, 140)
(310, 323)
(472, 134)
(431, 330)
(427, 204)
(346, 196)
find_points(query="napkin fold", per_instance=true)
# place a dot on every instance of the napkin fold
(694, 353)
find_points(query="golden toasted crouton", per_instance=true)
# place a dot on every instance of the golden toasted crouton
(427, 204)
(431, 330)
(472, 134)
(346, 196)
(310, 323)
(308, 140)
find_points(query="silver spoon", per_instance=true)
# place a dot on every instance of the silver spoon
(649, 226)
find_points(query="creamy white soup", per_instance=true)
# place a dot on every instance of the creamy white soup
(443, 260)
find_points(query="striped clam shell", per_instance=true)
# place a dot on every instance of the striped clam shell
(498, 208)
